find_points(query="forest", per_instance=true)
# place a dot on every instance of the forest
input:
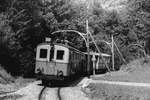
(25, 23)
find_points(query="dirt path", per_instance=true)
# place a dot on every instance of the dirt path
(35, 91)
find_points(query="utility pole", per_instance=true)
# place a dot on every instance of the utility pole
(112, 49)
(94, 62)
(87, 33)
(88, 49)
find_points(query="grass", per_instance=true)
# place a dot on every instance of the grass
(11, 97)
(136, 71)
(9, 83)
(136, 65)
(5, 77)
(116, 92)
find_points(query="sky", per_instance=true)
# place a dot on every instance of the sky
(119, 6)
(108, 5)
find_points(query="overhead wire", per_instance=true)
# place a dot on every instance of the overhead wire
(120, 54)
(99, 51)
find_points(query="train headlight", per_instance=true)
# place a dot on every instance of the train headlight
(40, 71)
(60, 73)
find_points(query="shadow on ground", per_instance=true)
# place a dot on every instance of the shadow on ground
(63, 83)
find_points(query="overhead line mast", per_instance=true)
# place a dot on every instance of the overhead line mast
(87, 33)
(88, 49)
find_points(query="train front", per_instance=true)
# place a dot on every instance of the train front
(51, 61)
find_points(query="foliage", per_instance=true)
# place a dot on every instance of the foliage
(25, 23)
(18, 35)
(133, 28)
(5, 77)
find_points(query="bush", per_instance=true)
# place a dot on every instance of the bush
(5, 77)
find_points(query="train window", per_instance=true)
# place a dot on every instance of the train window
(43, 53)
(60, 54)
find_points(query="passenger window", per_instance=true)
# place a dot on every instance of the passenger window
(60, 54)
(43, 53)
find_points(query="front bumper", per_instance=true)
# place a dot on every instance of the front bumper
(49, 77)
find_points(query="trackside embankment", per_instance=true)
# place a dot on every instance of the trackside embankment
(132, 82)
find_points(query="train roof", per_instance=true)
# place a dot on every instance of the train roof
(62, 44)
(72, 48)
(69, 47)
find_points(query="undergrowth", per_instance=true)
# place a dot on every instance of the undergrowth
(5, 77)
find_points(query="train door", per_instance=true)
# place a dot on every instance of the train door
(61, 57)
(45, 60)
(50, 65)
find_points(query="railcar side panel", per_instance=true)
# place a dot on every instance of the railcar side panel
(77, 63)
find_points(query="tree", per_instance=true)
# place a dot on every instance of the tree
(20, 33)
(26, 23)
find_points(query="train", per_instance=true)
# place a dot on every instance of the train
(60, 61)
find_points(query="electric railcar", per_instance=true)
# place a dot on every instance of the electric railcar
(59, 61)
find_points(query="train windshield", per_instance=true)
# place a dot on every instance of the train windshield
(43, 53)
(60, 54)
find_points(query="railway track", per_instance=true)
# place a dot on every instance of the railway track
(9, 95)
(41, 95)
(58, 94)
(58, 86)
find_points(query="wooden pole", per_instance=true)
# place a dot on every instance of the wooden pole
(88, 50)
(87, 32)
(94, 61)
(113, 67)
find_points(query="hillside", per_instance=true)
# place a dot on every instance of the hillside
(8, 83)
(136, 71)
(5, 77)
(130, 83)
